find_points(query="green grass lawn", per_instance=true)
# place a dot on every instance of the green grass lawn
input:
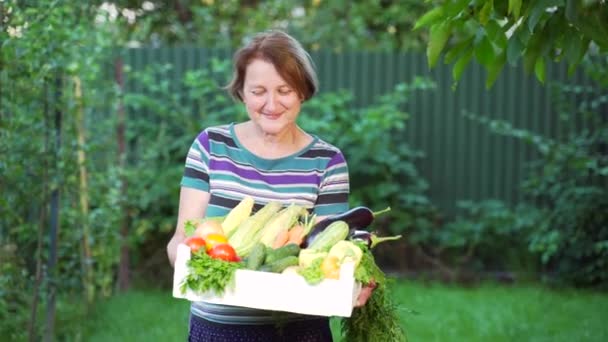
(445, 313)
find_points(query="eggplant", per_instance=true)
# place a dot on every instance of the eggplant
(370, 238)
(356, 218)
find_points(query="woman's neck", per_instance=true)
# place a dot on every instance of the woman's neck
(271, 146)
(287, 137)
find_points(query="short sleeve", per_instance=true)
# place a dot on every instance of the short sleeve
(334, 188)
(196, 171)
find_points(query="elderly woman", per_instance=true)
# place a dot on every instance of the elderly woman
(269, 158)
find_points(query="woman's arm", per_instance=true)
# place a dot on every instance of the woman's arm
(192, 205)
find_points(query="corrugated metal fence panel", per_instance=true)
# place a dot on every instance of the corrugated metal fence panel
(464, 160)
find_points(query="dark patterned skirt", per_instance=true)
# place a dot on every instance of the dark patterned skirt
(310, 330)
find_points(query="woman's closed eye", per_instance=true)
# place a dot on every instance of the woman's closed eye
(280, 91)
(285, 91)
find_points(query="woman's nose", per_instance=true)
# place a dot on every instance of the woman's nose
(271, 102)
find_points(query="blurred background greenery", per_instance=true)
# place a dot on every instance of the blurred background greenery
(495, 164)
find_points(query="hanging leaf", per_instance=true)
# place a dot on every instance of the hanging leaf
(572, 10)
(484, 52)
(429, 18)
(457, 50)
(540, 69)
(486, 10)
(539, 8)
(514, 8)
(439, 36)
(515, 49)
(496, 34)
(495, 69)
(461, 64)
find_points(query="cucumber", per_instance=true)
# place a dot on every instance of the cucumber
(291, 249)
(256, 257)
(278, 266)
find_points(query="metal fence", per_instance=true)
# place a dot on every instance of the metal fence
(464, 160)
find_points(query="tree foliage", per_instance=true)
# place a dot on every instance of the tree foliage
(500, 32)
(337, 24)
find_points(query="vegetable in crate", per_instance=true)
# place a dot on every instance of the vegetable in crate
(195, 243)
(346, 251)
(308, 256)
(377, 320)
(337, 231)
(246, 235)
(223, 251)
(279, 265)
(331, 267)
(208, 227)
(237, 215)
(370, 238)
(280, 222)
(279, 253)
(208, 274)
(202, 227)
(356, 218)
(257, 257)
(312, 273)
(214, 239)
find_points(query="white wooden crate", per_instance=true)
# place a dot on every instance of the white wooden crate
(277, 292)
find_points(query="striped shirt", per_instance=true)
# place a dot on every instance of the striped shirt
(315, 177)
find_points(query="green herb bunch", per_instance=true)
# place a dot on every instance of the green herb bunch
(377, 320)
(209, 274)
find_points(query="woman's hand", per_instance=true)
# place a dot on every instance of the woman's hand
(365, 293)
(192, 205)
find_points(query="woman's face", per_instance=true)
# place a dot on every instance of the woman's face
(271, 103)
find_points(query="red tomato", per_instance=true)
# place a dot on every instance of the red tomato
(195, 243)
(223, 251)
(214, 239)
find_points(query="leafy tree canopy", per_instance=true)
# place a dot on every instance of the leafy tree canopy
(497, 32)
(336, 24)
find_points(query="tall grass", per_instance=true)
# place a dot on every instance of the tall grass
(444, 313)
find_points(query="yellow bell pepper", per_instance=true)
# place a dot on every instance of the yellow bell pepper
(331, 267)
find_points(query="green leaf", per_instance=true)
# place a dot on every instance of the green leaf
(596, 27)
(497, 34)
(532, 51)
(439, 36)
(515, 48)
(494, 69)
(514, 8)
(454, 8)
(573, 47)
(539, 8)
(484, 52)
(572, 10)
(486, 10)
(429, 18)
(540, 69)
(461, 64)
(456, 50)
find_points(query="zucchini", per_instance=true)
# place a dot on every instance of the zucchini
(334, 233)
(290, 249)
(278, 266)
(256, 257)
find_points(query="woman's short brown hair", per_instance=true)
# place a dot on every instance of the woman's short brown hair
(287, 55)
